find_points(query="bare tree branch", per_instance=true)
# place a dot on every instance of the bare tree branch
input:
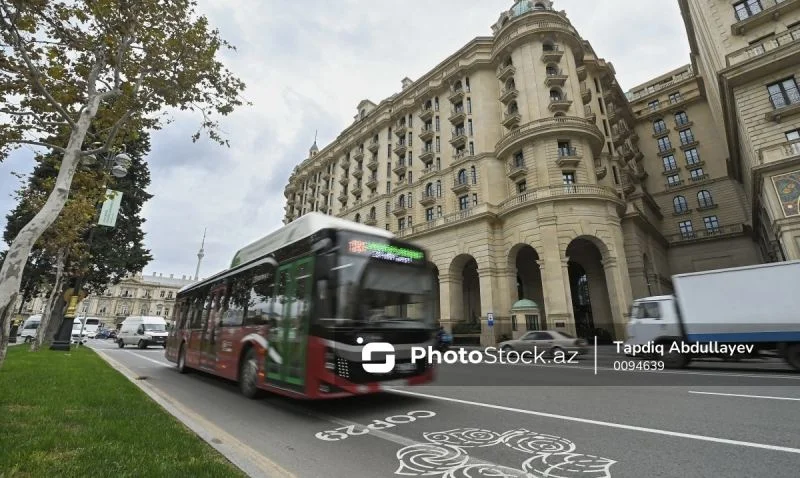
(33, 70)
(126, 42)
(38, 143)
(120, 122)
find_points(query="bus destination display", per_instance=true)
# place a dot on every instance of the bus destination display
(386, 252)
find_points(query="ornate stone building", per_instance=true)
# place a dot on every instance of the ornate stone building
(527, 172)
(135, 295)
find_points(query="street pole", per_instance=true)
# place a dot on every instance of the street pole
(118, 166)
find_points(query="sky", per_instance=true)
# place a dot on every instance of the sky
(307, 65)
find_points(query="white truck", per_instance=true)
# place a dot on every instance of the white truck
(742, 312)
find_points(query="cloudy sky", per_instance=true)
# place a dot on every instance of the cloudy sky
(307, 65)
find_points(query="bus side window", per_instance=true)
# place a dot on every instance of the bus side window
(260, 295)
(238, 294)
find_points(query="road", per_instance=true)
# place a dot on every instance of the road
(732, 420)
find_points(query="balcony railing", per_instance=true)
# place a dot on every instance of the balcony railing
(764, 46)
(785, 98)
(684, 75)
(710, 233)
(779, 152)
(555, 192)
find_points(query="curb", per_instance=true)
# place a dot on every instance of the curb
(245, 458)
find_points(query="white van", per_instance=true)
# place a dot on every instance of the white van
(28, 330)
(143, 331)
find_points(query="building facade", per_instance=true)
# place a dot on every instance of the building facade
(527, 172)
(748, 53)
(135, 295)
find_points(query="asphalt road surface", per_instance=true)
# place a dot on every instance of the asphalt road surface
(712, 420)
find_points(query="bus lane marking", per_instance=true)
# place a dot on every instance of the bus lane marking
(741, 395)
(388, 422)
(622, 426)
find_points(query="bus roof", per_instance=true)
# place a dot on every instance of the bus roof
(302, 227)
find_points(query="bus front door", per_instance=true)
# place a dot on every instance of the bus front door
(286, 359)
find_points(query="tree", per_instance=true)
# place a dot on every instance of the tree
(113, 252)
(65, 62)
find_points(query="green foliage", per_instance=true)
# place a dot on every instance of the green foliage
(70, 414)
(138, 58)
(114, 251)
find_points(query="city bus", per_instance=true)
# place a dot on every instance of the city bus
(295, 310)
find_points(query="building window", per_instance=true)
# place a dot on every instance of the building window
(462, 177)
(659, 126)
(692, 157)
(358, 217)
(675, 97)
(697, 174)
(564, 149)
(469, 106)
(747, 8)
(401, 223)
(474, 199)
(463, 203)
(438, 126)
(681, 118)
(388, 187)
(712, 224)
(669, 163)
(680, 204)
(793, 135)
(704, 199)
(161, 294)
(686, 230)
(386, 226)
(783, 93)
(471, 146)
(522, 186)
(410, 220)
(438, 211)
(673, 180)
(653, 105)
(686, 136)
(429, 214)
(616, 174)
(568, 177)
(664, 144)
(473, 174)
(388, 208)
(438, 144)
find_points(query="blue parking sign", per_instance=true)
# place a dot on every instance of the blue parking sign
(490, 319)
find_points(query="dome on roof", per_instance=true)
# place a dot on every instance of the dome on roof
(525, 6)
(524, 304)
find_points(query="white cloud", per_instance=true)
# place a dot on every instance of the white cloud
(307, 65)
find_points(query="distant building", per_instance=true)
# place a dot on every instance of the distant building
(135, 295)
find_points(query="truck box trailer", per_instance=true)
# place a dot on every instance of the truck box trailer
(741, 312)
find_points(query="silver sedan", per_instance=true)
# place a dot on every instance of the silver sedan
(550, 340)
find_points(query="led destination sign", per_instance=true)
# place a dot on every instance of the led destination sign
(386, 252)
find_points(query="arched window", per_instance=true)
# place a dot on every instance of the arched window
(358, 217)
(457, 85)
(680, 204)
(401, 201)
(462, 176)
(555, 95)
(474, 174)
(513, 108)
(372, 212)
(439, 188)
(429, 189)
(659, 126)
(681, 118)
(704, 199)
(409, 200)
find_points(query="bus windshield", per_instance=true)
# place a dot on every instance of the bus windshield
(372, 291)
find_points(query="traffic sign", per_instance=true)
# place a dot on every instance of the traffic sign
(490, 319)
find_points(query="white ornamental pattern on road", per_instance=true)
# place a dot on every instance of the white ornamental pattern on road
(549, 456)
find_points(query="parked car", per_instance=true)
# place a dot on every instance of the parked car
(551, 341)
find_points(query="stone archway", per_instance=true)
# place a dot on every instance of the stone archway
(465, 295)
(591, 301)
(524, 259)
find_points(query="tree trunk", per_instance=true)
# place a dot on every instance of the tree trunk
(17, 256)
(51, 302)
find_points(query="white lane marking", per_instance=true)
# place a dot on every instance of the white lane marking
(595, 355)
(157, 362)
(745, 396)
(655, 431)
(683, 372)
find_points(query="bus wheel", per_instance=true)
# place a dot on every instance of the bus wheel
(182, 368)
(120, 343)
(248, 375)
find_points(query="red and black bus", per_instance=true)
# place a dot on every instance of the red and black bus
(296, 309)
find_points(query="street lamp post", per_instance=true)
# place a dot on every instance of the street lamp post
(118, 166)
